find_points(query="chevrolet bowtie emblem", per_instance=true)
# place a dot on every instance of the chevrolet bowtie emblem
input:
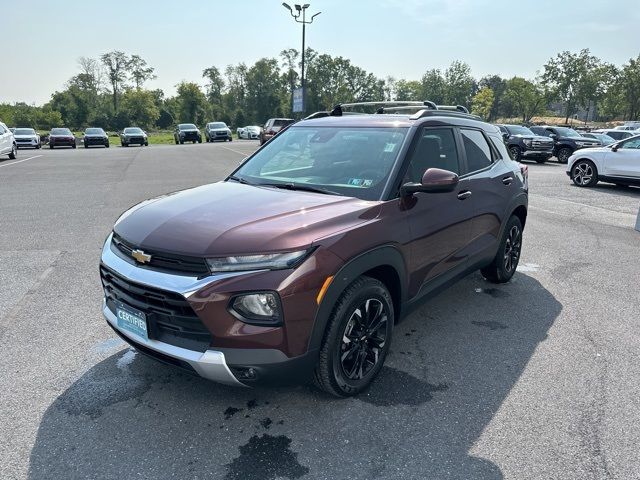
(140, 256)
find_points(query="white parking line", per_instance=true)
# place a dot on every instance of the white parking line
(244, 154)
(20, 161)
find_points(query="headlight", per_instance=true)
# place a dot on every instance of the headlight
(527, 142)
(270, 261)
(261, 308)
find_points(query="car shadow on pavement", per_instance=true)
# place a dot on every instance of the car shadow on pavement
(453, 363)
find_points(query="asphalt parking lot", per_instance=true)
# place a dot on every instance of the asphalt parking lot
(534, 379)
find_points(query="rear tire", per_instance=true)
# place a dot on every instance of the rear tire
(506, 260)
(356, 340)
(50, 147)
(514, 153)
(73, 146)
(14, 152)
(584, 173)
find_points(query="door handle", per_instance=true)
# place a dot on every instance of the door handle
(507, 180)
(464, 195)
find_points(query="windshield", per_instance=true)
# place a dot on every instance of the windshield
(60, 131)
(518, 130)
(218, 125)
(187, 126)
(281, 122)
(94, 131)
(132, 130)
(24, 131)
(348, 161)
(253, 128)
(567, 132)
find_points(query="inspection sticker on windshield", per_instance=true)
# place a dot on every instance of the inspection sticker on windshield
(390, 147)
(359, 182)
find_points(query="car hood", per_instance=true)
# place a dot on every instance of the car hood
(191, 130)
(220, 129)
(59, 135)
(99, 135)
(31, 135)
(582, 151)
(229, 218)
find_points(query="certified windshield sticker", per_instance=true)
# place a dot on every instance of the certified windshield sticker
(390, 147)
(360, 182)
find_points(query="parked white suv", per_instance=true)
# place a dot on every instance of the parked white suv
(7, 142)
(618, 163)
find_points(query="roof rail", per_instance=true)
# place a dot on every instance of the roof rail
(397, 106)
(443, 113)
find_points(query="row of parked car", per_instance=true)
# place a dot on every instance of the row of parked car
(540, 143)
(64, 137)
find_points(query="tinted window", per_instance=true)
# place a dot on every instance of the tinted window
(540, 131)
(477, 148)
(132, 130)
(60, 131)
(187, 126)
(436, 148)
(216, 125)
(618, 135)
(518, 130)
(94, 131)
(281, 122)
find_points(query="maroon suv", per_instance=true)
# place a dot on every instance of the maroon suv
(61, 137)
(299, 264)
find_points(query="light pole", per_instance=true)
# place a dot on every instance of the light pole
(301, 11)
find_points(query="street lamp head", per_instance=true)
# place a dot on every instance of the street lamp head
(306, 5)
(298, 7)
(315, 15)
(286, 5)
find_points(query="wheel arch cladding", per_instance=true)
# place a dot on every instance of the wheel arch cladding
(385, 264)
(521, 213)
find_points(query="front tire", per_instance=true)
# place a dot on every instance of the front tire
(506, 260)
(14, 152)
(357, 339)
(564, 154)
(514, 152)
(584, 173)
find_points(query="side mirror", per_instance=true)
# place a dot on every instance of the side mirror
(553, 135)
(434, 180)
(505, 136)
(615, 147)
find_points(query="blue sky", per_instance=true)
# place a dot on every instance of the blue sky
(401, 38)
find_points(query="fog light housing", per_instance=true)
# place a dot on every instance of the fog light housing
(257, 308)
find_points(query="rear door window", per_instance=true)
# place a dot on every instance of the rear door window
(477, 149)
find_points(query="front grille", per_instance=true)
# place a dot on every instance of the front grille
(166, 262)
(221, 134)
(170, 318)
(541, 145)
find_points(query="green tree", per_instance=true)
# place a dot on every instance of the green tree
(116, 64)
(434, 87)
(482, 103)
(526, 98)
(289, 59)
(191, 103)
(409, 90)
(459, 84)
(630, 88)
(140, 108)
(565, 77)
(263, 88)
(498, 85)
(139, 71)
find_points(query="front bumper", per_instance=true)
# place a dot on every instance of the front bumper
(210, 365)
(537, 154)
(274, 355)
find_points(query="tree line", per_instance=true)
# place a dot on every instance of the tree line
(110, 92)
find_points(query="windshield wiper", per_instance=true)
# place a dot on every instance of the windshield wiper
(298, 186)
(239, 180)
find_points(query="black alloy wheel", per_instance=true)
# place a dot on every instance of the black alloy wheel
(512, 249)
(514, 152)
(357, 339)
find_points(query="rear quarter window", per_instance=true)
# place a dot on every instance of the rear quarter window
(477, 149)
